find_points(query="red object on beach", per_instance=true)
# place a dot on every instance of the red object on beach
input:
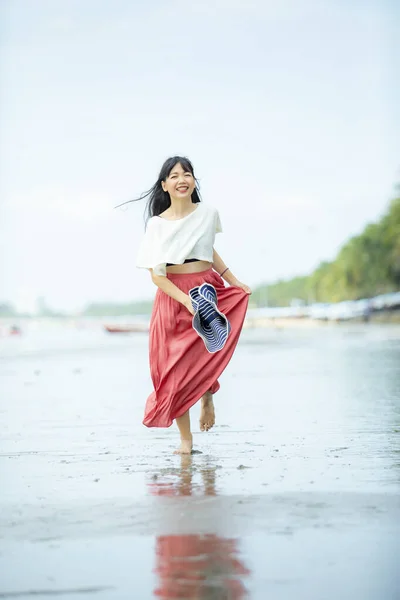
(125, 328)
(15, 330)
(181, 369)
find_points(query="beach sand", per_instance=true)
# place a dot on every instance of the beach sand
(293, 494)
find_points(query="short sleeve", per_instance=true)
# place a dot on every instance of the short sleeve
(146, 247)
(147, 257)
(218, 224)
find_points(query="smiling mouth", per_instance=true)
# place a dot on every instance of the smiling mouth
(182, 189)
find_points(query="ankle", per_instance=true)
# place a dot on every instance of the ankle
(207, 399)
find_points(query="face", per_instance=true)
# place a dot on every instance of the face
(179, 184)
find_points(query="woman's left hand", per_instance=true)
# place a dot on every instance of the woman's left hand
(244, 287)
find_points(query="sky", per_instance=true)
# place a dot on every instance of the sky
(288, 110)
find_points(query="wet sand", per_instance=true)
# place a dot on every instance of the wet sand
(294, 494)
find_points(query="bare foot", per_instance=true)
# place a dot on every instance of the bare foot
(207, 414)
(185, 447)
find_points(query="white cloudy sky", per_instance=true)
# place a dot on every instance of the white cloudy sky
(288, 110)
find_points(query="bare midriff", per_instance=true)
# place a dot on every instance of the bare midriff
(194, 267)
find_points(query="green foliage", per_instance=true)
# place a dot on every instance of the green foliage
(281, 293)
(367, 265)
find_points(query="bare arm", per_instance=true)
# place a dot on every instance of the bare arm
(228, 276)
(172, 290)
(220, 266)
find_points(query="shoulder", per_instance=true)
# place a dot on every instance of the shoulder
(208, 209)
(163, 214)
(153, 222)
(210, 219)
(151, 227)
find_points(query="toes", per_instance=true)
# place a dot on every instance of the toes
(207, 421)
(206, 425)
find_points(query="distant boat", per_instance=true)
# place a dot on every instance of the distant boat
(15, 330)
(126, 328)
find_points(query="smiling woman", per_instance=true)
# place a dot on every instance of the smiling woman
(159, 198)
(179, 184)
(178, 250)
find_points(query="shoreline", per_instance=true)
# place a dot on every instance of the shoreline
(139, 323)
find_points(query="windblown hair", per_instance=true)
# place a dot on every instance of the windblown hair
(157, 200)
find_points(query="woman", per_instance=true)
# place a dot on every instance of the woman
(178, 250)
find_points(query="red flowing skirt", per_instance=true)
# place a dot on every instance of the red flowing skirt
(181, 368)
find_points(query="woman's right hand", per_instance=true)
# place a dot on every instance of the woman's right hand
(188, 304)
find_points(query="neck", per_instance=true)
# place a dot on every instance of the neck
(180, 208)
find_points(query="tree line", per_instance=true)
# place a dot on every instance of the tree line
(366, 266)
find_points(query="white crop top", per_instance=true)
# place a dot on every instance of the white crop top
(174, 241)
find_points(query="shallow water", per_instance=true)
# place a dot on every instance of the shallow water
(294, 493)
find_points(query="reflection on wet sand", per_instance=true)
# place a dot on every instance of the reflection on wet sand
(198, 567)
(183, 483)
(201, 567)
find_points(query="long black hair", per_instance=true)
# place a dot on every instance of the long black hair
(157, 200)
